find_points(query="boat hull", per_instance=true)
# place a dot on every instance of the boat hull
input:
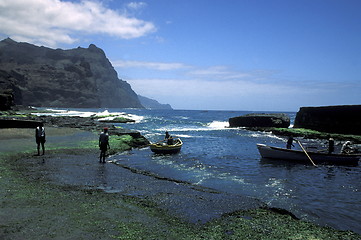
(300, 156)
(162, 148)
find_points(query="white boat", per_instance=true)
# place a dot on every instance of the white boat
(164, 148)
(300, 156)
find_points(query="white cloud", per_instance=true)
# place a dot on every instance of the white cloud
(149, 65)
(209, 94)
(243, 94)
(219, 72)
(222, 87)
(204, 87)
(136, 5)
(51, 22)
(193, 72)
(238, 94)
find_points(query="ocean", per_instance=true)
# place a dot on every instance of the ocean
(227, 159)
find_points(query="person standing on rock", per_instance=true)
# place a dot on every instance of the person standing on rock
(331, 145)
(103, 144)
(40, 137)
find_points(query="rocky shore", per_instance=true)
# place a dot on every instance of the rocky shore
(26, 119)
(67, 194)
(337, 122)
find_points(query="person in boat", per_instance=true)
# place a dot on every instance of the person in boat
(103, 144)
(347, 148)
(170, 140)
(166, 135)
(40, 137)
(331, 145)
(290, 143)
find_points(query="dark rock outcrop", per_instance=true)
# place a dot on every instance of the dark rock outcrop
(81, 77)
(6, 100)
(16, 123)
(332, 119)
(262, 120)
(8, 91)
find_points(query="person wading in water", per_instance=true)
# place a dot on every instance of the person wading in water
(103, 144)
(40, 137)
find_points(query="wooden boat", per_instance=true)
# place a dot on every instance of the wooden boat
(164, 148)
(300, 156)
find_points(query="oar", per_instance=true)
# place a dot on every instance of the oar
(306, 153)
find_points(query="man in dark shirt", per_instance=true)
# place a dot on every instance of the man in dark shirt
(103, 144)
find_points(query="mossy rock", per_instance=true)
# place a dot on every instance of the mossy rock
(118, 120)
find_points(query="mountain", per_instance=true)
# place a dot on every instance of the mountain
(41, 76)
(153, 104)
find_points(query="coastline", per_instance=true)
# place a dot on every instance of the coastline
(37, 205)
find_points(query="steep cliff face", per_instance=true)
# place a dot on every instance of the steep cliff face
(81, 77)
(332, 119)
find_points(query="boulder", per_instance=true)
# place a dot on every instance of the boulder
(261, 120)
(8, 91)
(344, 119)
(6, 101)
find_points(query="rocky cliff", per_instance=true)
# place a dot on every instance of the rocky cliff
(331, 119)
(81, 77)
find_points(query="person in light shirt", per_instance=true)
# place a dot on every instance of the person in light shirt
(40, 137)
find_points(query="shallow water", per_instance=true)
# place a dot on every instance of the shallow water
(227, 160)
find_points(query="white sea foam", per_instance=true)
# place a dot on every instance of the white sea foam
(184, 136)
(74, 113)
(65, 112)
(179, 129)
(273, 182)
(238, 179)
(134, 117)
(215, 125)
(113, 115)
(218, 125)
(263, 134)
(270, 135)
(182, 117)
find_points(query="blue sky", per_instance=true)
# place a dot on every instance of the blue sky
(210, 54)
